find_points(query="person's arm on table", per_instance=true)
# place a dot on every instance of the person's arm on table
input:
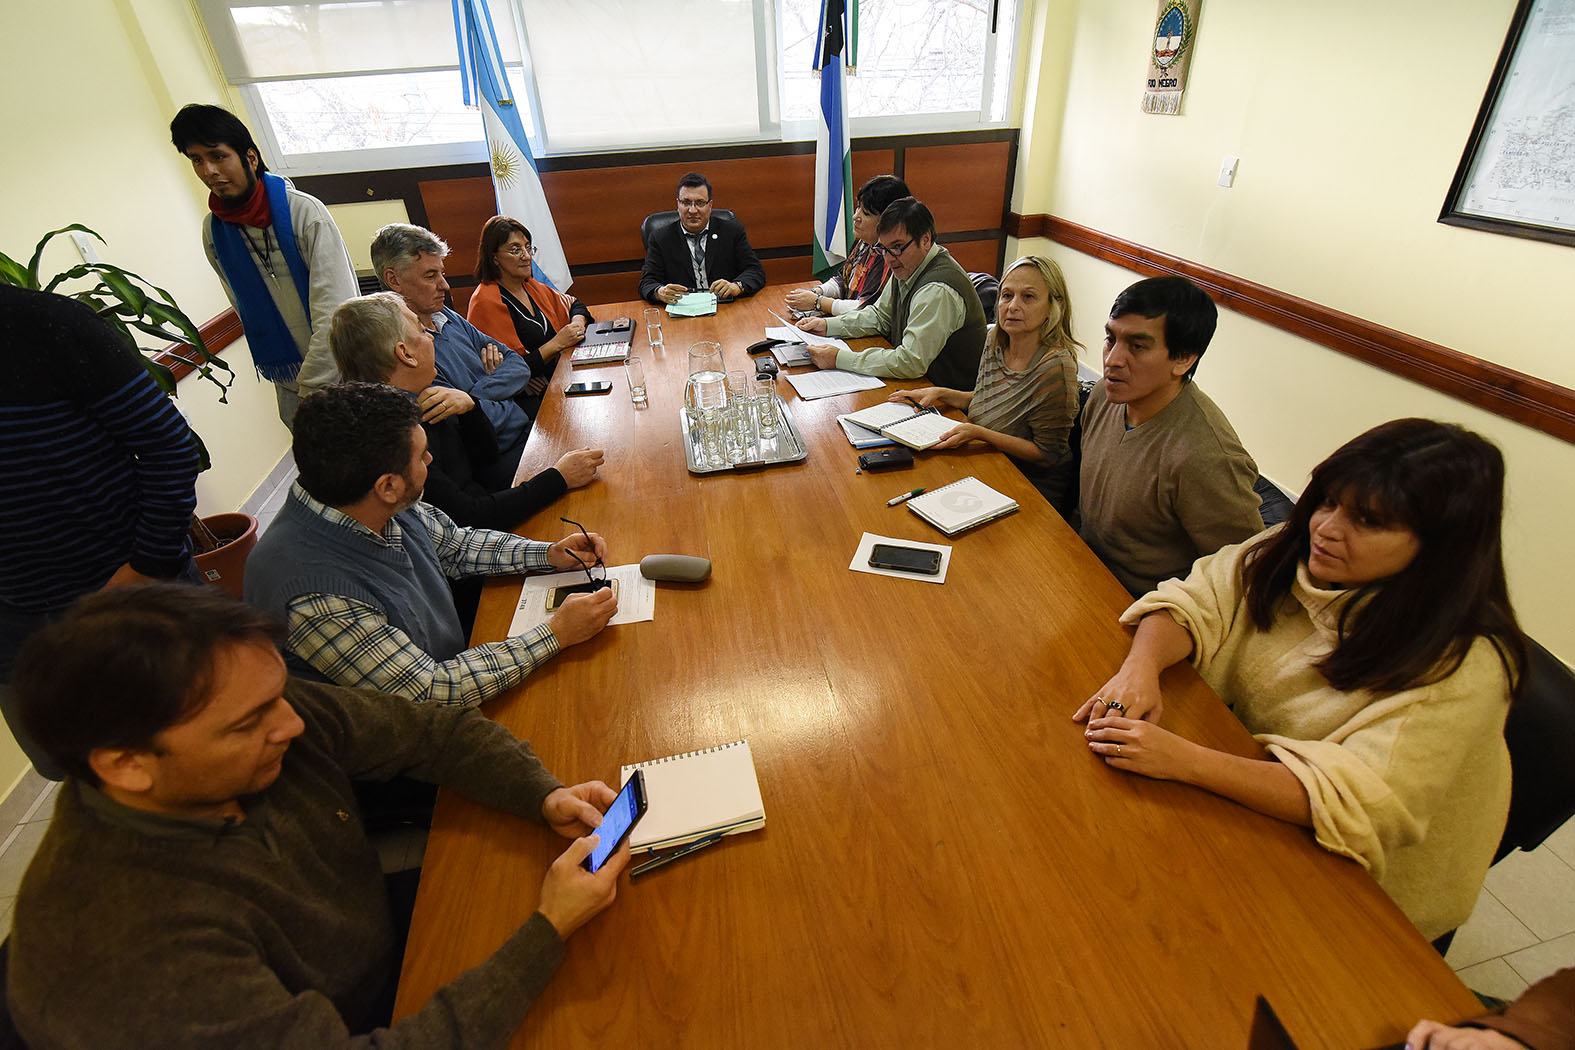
(352, 643)
(962, 433)
(654, 285)
(1142, 747)
(936, 313)
(1159, 642)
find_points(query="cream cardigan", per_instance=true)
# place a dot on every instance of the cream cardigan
(1412, 785)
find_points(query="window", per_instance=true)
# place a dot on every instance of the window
(345, 85)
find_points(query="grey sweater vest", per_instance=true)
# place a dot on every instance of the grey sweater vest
(957, 365)
(301, 553)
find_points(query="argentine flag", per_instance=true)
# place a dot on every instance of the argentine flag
(833, 146)
(514, 176)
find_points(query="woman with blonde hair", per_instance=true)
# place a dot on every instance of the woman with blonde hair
(1025, 400)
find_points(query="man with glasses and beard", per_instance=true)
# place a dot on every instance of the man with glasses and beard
(929, 310)
(700, 252)
(356, 567)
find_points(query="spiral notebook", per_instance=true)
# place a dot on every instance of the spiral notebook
(962, 505)
(900, 421)
(697, 794)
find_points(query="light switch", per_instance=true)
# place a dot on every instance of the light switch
(87, 246)
(1228, 171)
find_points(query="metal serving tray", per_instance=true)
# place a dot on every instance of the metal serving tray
(786, 447)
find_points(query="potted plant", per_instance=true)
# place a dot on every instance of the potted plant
(131, 304)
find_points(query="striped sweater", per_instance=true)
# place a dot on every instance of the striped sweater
(100, 468)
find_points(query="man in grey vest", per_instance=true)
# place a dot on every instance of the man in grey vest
(357, 568)
(929, 311)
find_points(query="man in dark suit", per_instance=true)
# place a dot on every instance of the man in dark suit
(699, 252)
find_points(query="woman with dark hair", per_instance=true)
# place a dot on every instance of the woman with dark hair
(1370, 647)
(510, 305)
(864, 273)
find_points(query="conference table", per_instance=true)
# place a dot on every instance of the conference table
(943, 863)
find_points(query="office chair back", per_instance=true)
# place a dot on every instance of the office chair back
(1540, 732)
(659, 220)
(989, 290)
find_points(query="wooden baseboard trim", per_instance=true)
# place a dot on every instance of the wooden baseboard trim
(1491, 387)
(218, 333)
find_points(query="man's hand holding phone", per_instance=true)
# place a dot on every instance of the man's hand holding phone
(572, 896)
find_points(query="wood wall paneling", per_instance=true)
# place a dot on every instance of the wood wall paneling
(456, 211)
(1494, 388)
(594, 288)
(965, 186)
(976, 256)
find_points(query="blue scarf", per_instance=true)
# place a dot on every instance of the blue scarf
(274, 352)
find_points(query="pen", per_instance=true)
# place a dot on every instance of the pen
(677, 854)
(905, 497)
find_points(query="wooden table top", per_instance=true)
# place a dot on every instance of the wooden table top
(943, 862)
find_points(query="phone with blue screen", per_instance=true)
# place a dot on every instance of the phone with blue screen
(618, 821)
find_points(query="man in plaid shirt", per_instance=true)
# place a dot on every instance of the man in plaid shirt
(357, 567)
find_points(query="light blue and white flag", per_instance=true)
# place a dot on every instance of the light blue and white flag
(833, 145)
(514, 175)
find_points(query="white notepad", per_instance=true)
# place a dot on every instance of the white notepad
(697, 794)
(918, 429)
(962, 505)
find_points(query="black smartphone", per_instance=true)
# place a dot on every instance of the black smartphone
(905, 559)
(599, 386)
(618, 821)
(558, 594)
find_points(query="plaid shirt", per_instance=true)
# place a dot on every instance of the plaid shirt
(353, 644)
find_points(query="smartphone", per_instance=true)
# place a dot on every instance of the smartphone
(905, 559)
(599, 386)
(618, 821)
(558, 595)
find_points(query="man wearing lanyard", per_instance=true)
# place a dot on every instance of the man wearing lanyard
(699, 252)
(276, 250)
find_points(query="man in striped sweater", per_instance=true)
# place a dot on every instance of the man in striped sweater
(101, 471)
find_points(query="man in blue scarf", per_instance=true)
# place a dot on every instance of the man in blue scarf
(276, 250)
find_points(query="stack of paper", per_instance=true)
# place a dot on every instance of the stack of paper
(830, 383)
(693, 304)
(697, 794)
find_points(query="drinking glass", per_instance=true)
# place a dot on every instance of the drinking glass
(634, 371)
(653, 328)
(766, 405)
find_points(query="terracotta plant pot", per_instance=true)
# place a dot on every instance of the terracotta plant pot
(226, 565)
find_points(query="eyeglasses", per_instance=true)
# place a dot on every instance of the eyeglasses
(894, 250)
(693, 205)
(518, 251)
(598, 564)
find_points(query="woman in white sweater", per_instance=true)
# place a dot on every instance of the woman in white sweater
(1370, 646)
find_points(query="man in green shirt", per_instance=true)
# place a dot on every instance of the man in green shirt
(928, 311)
(206, 880)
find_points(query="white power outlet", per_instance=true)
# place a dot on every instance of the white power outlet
(1228, 171)
(87, 246)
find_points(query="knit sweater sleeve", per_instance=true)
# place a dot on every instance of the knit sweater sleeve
(1378, 782)
(1208, 603)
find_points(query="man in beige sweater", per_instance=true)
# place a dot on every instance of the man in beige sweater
(1164, 478)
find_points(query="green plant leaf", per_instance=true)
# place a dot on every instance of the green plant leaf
(14, 273)
(38, 252)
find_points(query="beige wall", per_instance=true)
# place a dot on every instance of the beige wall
(87, 133)
(1349, 127)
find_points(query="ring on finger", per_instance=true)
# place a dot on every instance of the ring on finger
(1111, 705)
(1118, 751)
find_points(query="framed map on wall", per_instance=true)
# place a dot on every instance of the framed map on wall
(1517, 175)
